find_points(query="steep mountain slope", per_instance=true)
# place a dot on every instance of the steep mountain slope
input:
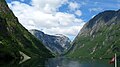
(14, 37)
(58, 44)
(100, 37)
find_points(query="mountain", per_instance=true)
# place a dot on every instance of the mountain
(58, 44)
(14, 38)
(99, 38)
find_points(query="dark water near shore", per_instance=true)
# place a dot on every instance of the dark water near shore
(60, 62)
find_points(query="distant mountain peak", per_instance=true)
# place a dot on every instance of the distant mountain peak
(58, 43)
(60, 35)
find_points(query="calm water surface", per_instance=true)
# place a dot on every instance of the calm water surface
(60, 62)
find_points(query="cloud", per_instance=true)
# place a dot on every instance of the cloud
(48, 6)
(83, 3)
(73, 6)
(44, 15)
(78, 12)
(95, 9)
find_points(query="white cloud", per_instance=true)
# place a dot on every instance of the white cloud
(95, 9)
(48, 6)
(71, 31)
(73, 6)
(78, 12)
(43, 15)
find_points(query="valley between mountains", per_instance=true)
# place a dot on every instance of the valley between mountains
(99, 38)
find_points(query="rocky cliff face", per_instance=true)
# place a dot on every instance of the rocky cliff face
(14, 37)
(58, 44)
(100, 37)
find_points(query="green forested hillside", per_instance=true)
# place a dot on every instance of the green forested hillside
(14, 37)
(99, 38)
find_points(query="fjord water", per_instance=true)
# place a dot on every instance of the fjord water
(60, 62)
(69, 62)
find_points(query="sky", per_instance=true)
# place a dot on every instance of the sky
(65, 17)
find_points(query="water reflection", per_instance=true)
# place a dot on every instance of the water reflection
(59, 62)
(34, 62)
(67, 62)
